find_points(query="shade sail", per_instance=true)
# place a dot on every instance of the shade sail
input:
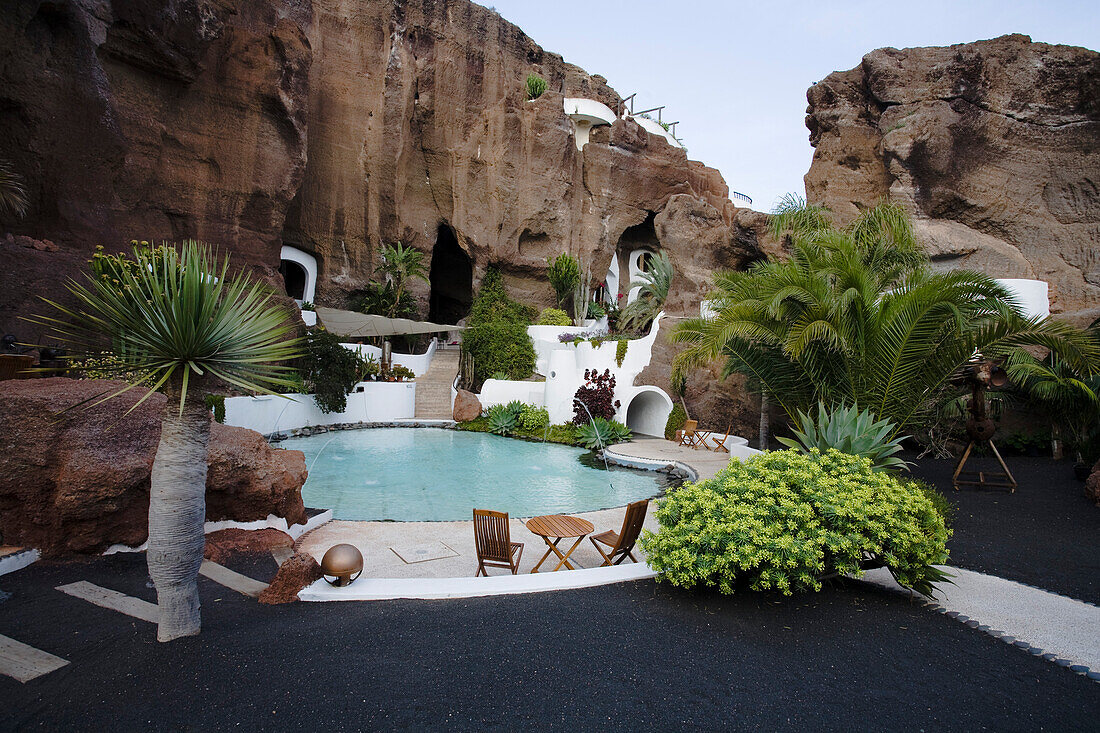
(350, 323)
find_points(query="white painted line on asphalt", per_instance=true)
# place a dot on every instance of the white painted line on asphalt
(231, 579)
(24, 663)
(17, 561)
(381, 589)
(112, 599)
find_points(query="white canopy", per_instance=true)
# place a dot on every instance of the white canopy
(350, 323)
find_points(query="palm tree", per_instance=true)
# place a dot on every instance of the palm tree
(399, 265)
(653, 286)
(183, 324)
(855, 316)
(13, 194)
(1069, 399)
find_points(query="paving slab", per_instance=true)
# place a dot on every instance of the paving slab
(112, 599)
(231, 579)
(24, 662)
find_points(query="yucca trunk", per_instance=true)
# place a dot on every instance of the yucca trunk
(177, 511)
(765, 424)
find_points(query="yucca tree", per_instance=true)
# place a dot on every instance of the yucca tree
(399, 265)
(653, 286)
(855, 316)
(182, 323)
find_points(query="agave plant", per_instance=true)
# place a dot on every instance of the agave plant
(502, 419)
(600, 433)
(181, 323)
(851, 431)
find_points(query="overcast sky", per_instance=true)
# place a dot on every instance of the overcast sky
(735, 73)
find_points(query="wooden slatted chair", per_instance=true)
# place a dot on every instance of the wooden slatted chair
(689, 438)
(622, 543)
(720, 443)
(495, 548)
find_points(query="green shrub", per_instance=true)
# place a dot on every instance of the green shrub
(596, 310)
(536, 86)
(943, 505)
(102, 366)
(785, 520)
(620, 351)
(496, 332)
(501, 421)
(216, 404)
(675, 421)
(849, 431)
(402, 372)
(600, 433)
(499, 375)
(563, 272)
(329, 371)
(554, 317)
(534, 418)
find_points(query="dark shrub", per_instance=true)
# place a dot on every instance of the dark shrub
(598, 394)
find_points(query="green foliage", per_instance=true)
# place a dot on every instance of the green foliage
(600, 433)
(564, 434)
(675, 421)
(1024, 444)
(654, 285)
(307, 305)
(943, 505)
(536, 86)
(216, 404)
(176, 318)
(399, 371)
(501, 422)
(532, 417)
(1065, 394)
(554, 317)
(620, 351)
(13, 193)
(851, 431)
(496, 332)
(564, 272)
(329, 371)
(382, 299)
(399, 264)
(786, 520)
(596, 310)
(499, 375)
(102, 366)
(856, 316)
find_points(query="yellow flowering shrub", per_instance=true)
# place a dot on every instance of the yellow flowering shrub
(785, 519)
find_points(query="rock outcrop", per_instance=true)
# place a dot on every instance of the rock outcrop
(75, 479)
(994, 146)
(467, 406)
(296, 573)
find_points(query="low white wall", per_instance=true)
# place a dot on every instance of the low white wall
(267, 414)
(503, 391)
(1033, 296)
(418, 363)
(545, 340)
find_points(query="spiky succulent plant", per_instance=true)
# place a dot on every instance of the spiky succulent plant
(849, 430)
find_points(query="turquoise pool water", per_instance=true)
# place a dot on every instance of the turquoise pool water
(432, 474)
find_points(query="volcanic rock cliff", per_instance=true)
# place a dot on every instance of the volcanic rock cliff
(994, 146)
(335, 126)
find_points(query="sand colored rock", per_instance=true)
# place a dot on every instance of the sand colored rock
(296, 573)
(994, 146)
(77, 480)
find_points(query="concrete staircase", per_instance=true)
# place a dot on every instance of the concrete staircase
(433, 389)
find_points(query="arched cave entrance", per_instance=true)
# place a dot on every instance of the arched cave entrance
(648, 412)
(452, 279)
(299, 271)
(294, 275)
(636, 244)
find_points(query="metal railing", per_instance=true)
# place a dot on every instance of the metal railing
(738, 196)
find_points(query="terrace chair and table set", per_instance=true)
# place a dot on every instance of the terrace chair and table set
(496, 549)
(692, 437)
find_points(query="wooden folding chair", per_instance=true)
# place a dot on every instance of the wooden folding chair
(495, 548)
(622, 543)
(721, 444)
(689, 438)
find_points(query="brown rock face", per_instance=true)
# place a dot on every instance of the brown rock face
(467, 406)
(77, 481)
(197, 119)
(296, 573)
(994, 146)
(225, 543)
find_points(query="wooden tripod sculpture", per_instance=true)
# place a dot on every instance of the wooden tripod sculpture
(980, 429)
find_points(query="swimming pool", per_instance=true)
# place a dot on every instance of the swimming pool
(433, 474)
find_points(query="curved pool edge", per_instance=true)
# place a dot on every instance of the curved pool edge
(386, 589)
(649, 464)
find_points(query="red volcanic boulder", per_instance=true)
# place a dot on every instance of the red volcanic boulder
(75, 479)
(1092, 486)
(225, 543)
(294, 574)
(467, 406)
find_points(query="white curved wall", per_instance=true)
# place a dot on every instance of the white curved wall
(1032, 295)
(654, 128)
(503, 391)
(308, 263)
(418, 363)
(588, 110)
(647, 411)
(635, 270)
(267, 414)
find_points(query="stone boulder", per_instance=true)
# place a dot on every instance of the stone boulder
(467, 406)
(75, 479)
(994, 146)
(296, 573)
(225, 543)
(1092, 485)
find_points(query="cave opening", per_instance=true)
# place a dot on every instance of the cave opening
(452, 279)
(294, 275)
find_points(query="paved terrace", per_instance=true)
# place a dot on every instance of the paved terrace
(448, 547)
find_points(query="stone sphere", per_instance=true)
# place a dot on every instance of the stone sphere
(344, 562)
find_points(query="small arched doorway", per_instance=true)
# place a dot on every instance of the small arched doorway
(299, 271)
(452, 279)
(648, 412)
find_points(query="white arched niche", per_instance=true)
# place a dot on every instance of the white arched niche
(292, 257)
(648, 410)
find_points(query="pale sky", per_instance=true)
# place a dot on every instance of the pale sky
(735, 74)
